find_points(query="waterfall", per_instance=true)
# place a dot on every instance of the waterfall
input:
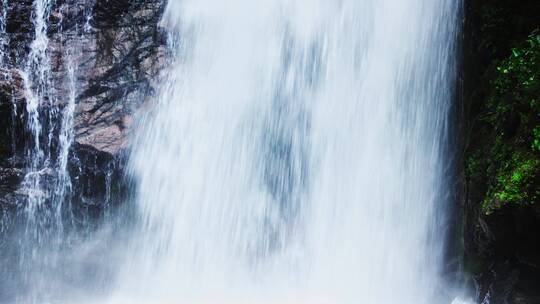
(36, 78)
(297, 154)
(49, 115)
(297, 151)
(4, 41)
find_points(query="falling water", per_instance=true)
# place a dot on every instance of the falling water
(47, 183)
(36, 78)
(3, 34)
(297, 155)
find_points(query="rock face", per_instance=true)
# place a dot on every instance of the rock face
(115, 51)
(124, 58)
(103, 58)
(502, 239)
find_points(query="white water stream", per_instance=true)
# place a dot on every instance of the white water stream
(36, 77)
(46, 185)
(4, 41)
(297, 155)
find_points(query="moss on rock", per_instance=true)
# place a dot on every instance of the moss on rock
(508, 155)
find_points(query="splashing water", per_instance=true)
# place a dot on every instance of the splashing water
(297, 155)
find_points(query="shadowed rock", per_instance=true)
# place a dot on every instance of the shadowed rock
(116, 51)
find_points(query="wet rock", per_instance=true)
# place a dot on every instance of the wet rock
(11, 86)
(115, 50)
(108, 139)
(10, 178)
(97, 179)
(19, 29)
(125, 55)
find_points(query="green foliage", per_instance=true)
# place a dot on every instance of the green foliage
(515, 182)
(509, 156)
(536, 139)
(517, 85)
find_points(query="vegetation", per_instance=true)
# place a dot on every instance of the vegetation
(509, 156)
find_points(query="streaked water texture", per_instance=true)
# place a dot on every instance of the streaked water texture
(296, 154)
(50, 100)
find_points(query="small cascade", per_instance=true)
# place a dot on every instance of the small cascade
(4, 39)
(37, 81)
(63, 184)
(50, 103)
(50, 108)
(4, 45)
